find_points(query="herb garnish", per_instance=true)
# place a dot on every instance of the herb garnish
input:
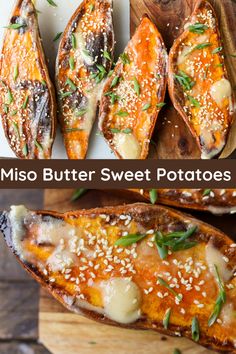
(112, 96)
(201, 46)
(57, 36)
(65, 94)
(80, 112)
(72, 63)
(162, 282)
(100, 74)
(125, 58)
(220, 301)
(125, 131)
(153, 196)
(73, 130)
(177, 351)
(52, 3)
(91, 7)
(195, 329)
(166, 318)
(73, 41)
(184, 80)
(71, 84)
(15, 26)
(16, 73)
(115, 81)
(107, 55)
(78, 193)
(38, 145)
(129, 239)
(146, 107)
(122, 114)
(161, 104)
(206, 192)
(9, 97)
(217, 50)
(198, 28)
(174, 241)
(136, 86)
(25, 150)
(194, 102)
(16, 128)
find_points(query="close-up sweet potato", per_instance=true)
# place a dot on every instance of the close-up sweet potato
(84, 60)
(27, 97)
(215, 201)
(199, 85)
(135, 93)
(177, 273)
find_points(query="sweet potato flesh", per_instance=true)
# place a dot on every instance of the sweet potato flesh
(74, 253)
(205, 100)
(27, 105)
(84, 60)
(135, 93)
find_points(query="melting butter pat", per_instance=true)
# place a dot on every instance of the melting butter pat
(215, 258)
(122, 299)
(221, 90)
(127, 146)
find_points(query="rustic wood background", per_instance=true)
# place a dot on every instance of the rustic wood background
(19, 294)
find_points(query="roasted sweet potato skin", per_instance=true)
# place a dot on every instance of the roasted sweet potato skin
(27, 96)
(103, 227)
(198, 81)
(84, 59)
(215, 201)
(134, 94)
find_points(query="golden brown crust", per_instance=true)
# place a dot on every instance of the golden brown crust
(143, 217)
(85, 57)
(27, 97)
(216, 201)
(205, 101)
(134, 94)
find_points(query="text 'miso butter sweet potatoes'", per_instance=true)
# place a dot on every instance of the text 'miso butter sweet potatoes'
(134, 94)
(198, 81)
(27, 97)
(84, 60)
(215, 201)
(177, 273)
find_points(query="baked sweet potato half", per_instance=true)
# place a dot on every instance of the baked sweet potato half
(134, 94)
(84, 59)
(215, 201)
(198, 81)
(27, 96)
(137, 266)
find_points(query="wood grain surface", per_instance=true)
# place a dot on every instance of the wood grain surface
(170, 16)
(63, 332)
(19, 294)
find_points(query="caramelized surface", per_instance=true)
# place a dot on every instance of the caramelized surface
(135, 93)
(74, 255)
(206, 100)
(216, 201)
(85, 58)
(27, 98)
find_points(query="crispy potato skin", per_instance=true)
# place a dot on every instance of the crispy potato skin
(145, 63)
(27, 96)
(222, 201)
(88, 35)
(146, 264)
(208, 119)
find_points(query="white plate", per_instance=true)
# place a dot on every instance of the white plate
(51, 21)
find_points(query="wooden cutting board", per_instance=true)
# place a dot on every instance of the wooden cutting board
(63, 332)
(170, 16)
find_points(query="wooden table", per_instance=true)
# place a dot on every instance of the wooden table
(19, 294)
